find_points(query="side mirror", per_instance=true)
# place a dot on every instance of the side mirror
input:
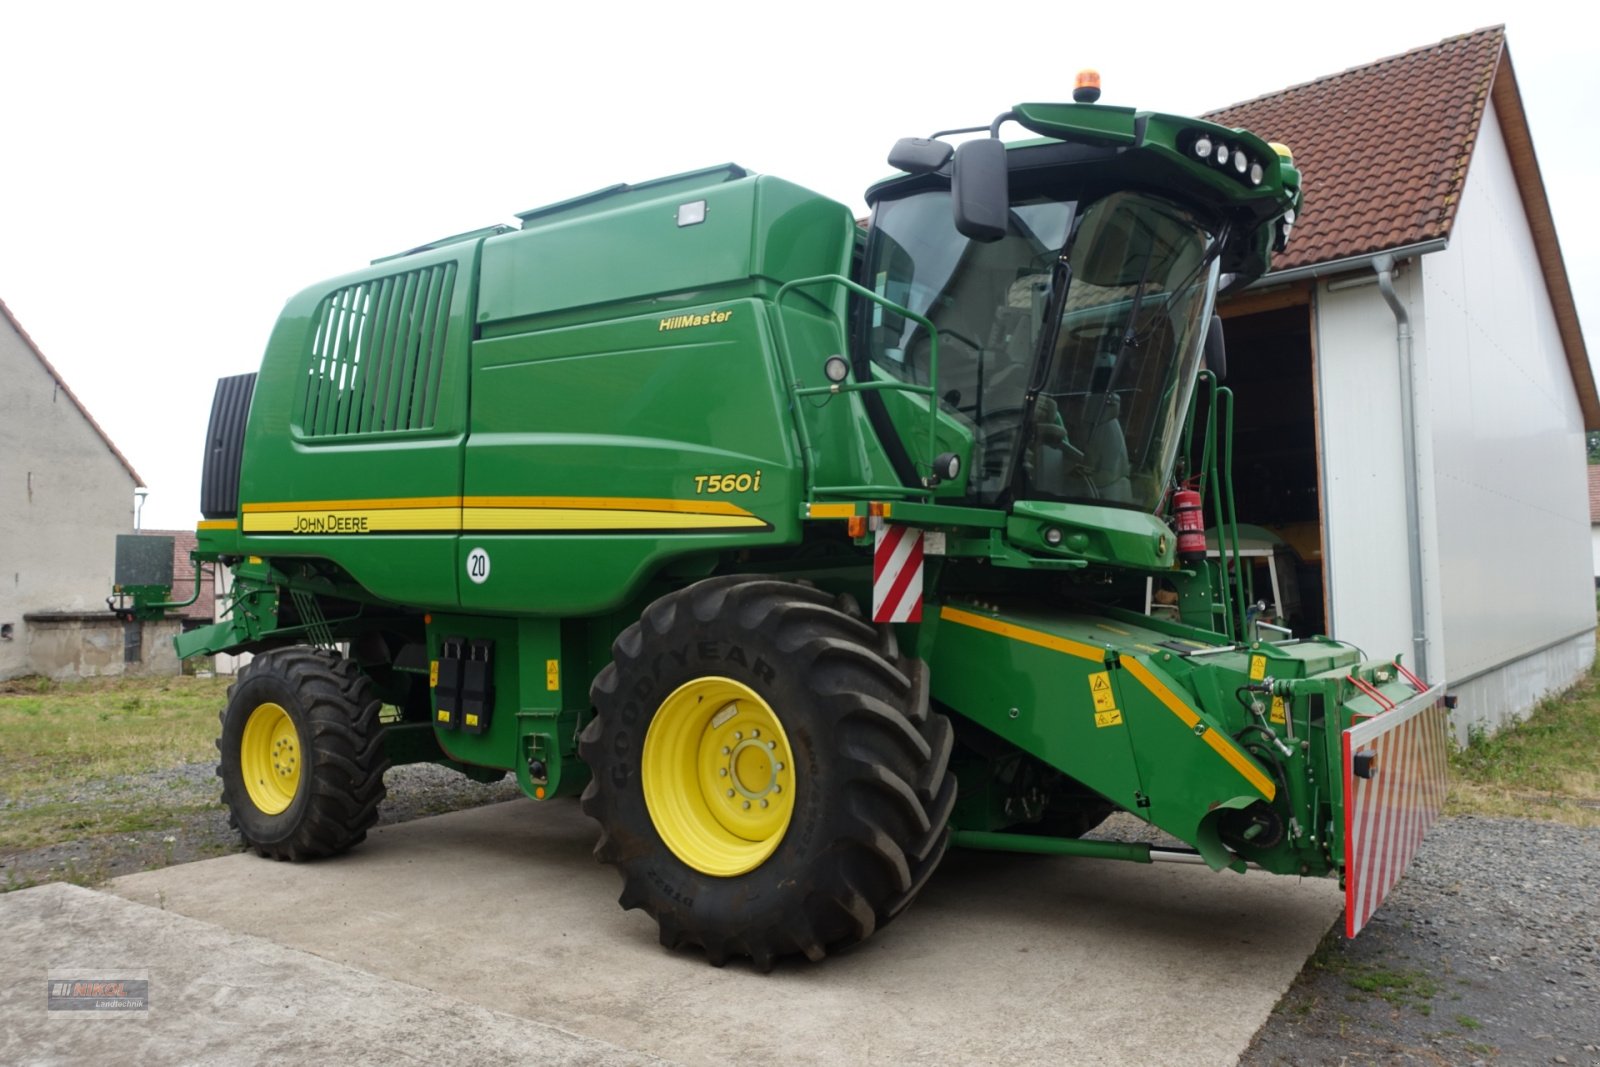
(979, 191)
(919, 155)
(1216, 351)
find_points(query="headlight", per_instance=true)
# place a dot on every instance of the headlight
(1241, 162)
(1257, 173)
(1221, 155)
(1202, 147)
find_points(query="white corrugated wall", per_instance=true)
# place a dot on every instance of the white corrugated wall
(1508, 582)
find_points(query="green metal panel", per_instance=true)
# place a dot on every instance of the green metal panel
(1093, 699)
(624, 251)
(1107, 535)
(323, 478)
(599, 452)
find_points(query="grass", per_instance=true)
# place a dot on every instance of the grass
(58, 739)
(1545, 767)
(1365, 980)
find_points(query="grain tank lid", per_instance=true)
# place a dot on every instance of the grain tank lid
(613, 195)
(453, 239)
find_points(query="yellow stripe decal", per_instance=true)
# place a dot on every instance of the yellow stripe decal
(491, 519)
(353, 521)
(492, 513)
(609, 503)
(1224, 747)
(1022, 633)
(217, 524)
(357, 505)
(830, 511)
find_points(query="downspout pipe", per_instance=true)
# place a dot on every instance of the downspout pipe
(1383, 265)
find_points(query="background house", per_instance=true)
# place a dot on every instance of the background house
(1594, 517)
(1413, 386)
(65, 494)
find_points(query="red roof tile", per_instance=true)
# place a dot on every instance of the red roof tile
(1594, 494)
(1382, 148)
(1383, 151)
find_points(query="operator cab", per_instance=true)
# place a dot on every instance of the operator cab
(1067, 347)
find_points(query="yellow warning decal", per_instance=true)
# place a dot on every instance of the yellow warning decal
(472, 720)
(1277, 715)
(1258, 668)
(433, 674)
(444, 716)
(552, 674)
(1100, 689)
(1108, 718)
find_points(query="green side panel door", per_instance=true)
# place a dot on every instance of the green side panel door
(628, 409)
(599, 452)
(353, 449)
(1042, 685)
(1095, 700)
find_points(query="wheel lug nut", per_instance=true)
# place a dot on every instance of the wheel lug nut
(738, 735)
(777, 789)
(730, 792)
(763, 803)
(723, 771)
(777, 766)
(771, 745)
(725, 750)
(755, 733)
(747, 805)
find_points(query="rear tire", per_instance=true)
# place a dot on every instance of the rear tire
(302, 756)
(856, 818)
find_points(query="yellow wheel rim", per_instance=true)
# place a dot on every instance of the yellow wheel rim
(718, 776)
(269, 758)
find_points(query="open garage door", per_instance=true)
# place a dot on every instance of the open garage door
(1277, 468)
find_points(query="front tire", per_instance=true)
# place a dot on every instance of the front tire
(302, 755)
(767, 774)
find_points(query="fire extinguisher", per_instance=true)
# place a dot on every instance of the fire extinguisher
(1188, 512)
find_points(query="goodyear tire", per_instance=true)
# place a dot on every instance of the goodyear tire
(302, 756)
(767, 774)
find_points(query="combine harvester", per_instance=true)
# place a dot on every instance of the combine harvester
(801, 550)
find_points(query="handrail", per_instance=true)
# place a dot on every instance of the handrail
(797, 390)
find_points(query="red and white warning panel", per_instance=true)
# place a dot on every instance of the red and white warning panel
(897, 574)
(1395, 777)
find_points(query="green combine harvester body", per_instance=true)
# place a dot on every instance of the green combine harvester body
(799, 548)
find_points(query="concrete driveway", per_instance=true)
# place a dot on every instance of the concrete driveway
(501, 915)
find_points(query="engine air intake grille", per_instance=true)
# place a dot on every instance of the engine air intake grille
(377, 353)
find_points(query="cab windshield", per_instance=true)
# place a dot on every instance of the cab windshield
(1073, 376)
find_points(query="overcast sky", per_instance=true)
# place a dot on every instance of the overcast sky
(170, 174)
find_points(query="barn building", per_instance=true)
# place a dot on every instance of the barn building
(1412, 382)
(66, 492)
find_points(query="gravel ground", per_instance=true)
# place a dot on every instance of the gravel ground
(415, 791)
(1487, 952)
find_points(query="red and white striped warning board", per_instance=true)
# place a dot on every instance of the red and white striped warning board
(1404, 751)
(897, 574)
